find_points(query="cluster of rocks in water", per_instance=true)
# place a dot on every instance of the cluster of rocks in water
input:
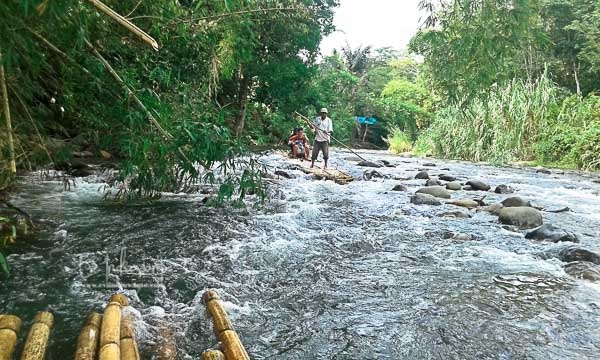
(514, 213)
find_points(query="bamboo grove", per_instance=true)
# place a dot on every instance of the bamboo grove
(77, 81)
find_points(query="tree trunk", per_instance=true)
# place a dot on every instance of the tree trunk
(576, 70)
(240, 121)
(365, 134)
(6, 109)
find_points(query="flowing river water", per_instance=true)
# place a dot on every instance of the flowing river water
(322, 271)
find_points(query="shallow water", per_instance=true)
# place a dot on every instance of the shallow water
(323, 271)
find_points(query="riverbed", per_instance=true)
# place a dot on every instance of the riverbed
(322, 270)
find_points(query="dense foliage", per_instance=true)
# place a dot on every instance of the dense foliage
(220, 65)
(517, 80)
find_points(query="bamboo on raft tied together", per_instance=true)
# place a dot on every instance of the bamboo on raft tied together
(37, 339)
(9, 333)
(87, 344)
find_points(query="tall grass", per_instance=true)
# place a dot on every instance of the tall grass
(520, 121)
(501, 128)
(398, 141)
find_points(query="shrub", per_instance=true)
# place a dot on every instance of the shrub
(398, 141)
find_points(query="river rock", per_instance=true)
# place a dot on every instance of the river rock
(551, 233)
(493, 209)
(455, 214)
(399, 187)
(283, 174)
(433, 182)
(543, 171)
(370, 164)
(448, 178)
(478, 185)
(467, 188)
(571, 254)
(423, 175)
(515, 201)
(466, 203)
(372, 174)
(504, 189)
(583, 270)
(424, 199)
(523, 217)
(454, 185)
(430, 165)
(462, 237)
(436, 191)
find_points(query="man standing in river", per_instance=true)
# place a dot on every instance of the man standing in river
(323, 127)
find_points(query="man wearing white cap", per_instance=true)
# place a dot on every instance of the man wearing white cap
(323, 128)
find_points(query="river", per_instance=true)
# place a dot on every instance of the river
(322, 271)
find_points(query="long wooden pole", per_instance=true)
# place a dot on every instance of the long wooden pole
(126, 23)
(232, 345)
(6, 110)
(307, 120)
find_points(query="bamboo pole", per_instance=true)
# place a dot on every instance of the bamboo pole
(128, 345)
(87, 344)
(37, 340)
(125, 23)
(6, 110)
(232, 345)
(9, 331)
(213, 355)
(110, 334)
(130, 92)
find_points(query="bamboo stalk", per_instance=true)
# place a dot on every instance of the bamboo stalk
(128, 345)
(126, 23)
(37, 340)
(232, 345)
(9, 331)
(213, 355)
(87, 344)
(6, 110)
(130, 92)
(110, 334)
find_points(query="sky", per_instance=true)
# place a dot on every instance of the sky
(379, 23)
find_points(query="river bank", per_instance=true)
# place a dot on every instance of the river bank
(322, 270)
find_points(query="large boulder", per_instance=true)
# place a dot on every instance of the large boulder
(454, 185)
(423, 175)
(466, 203)
(448, 178)
(551, 233)
(515, 201)
(424, 199)
(478, 185)
(436, 191)
(370, 164)
(504, 189)
(523, 217)
(571, 254)
(433, 182)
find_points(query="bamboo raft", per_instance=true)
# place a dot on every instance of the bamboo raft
(111, 335)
